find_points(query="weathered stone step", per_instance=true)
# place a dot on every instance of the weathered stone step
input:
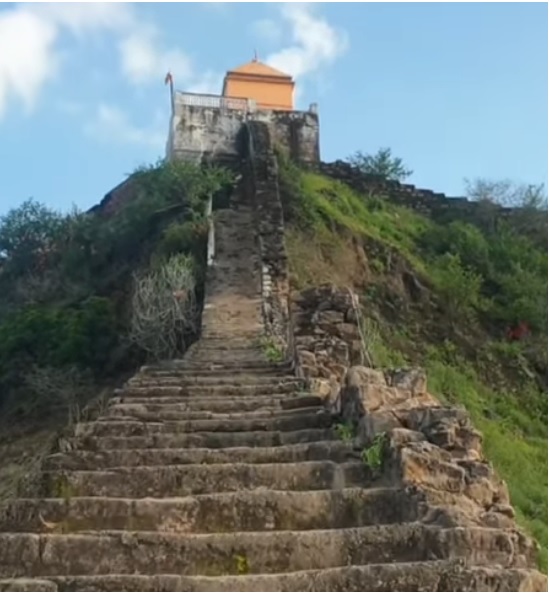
(93, 460)
(237, 347)
(253, 334)
(419, 576)
(293, 386)
(177, 413)
(221, 404)
(207, 440)
(185, 364)
(113, 427)
(218, 370)
(231, 404)
(184, 480)
(214, 380)
(28, 585)
(252, 552)
(199, 357)
(259, 510)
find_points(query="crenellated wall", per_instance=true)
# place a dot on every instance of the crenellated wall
(436, 205)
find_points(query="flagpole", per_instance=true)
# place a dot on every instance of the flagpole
(169, 79)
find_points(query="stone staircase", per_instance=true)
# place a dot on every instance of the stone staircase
(219, 472)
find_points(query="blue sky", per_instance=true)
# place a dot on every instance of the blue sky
(456, 89)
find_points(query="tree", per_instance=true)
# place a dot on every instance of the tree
(528, 201)
(382, 163)
(507, 193)
(27, 233)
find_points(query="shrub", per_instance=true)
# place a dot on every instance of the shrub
(164, 310)
(459, 287)
(55, 338)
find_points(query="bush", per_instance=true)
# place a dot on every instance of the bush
(459, 287)
(164, 310)
(60, 338)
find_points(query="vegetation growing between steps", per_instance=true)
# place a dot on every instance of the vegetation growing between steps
(67, 326)
(441, 297)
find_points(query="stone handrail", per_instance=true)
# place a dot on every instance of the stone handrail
(211, 231)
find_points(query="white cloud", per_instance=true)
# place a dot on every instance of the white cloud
(81, 18)
(27, 60)
(30, 56)
(112, 125)
(29, 35)
(317, 43)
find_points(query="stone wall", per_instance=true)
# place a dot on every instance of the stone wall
(428, 447)
(405, 436)
(436, 205)
(297, 132)
(200, 133)
(326, 336)
(262, 178)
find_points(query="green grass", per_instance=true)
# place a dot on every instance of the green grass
(329, 201)
(327, 219)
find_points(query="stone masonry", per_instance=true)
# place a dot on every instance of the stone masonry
(223, 472)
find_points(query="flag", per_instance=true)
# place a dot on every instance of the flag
(169, 78)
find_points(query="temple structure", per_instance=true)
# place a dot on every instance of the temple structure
(268, 87)
(209, 127)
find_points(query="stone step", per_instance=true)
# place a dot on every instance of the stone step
(259, 510)
(219, 405)
(113, 427)
(253, 334)
(204, 357)
(28, 585)
(197, 358)
(216, 371)
(212, 390)
(93, 460)
(108, 552)
(234, 345)
(418, 576)
(205, 379)
(206, 440)
(185, 480)
(179, 413)
(187, 366)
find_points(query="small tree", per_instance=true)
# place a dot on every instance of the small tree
(507, 193)
(382, 163)
(528, 201)
(164, 309)
(27, 233)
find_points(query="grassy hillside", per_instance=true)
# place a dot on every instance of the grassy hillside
(440, 297)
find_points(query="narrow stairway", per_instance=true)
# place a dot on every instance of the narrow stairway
(218, 472)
